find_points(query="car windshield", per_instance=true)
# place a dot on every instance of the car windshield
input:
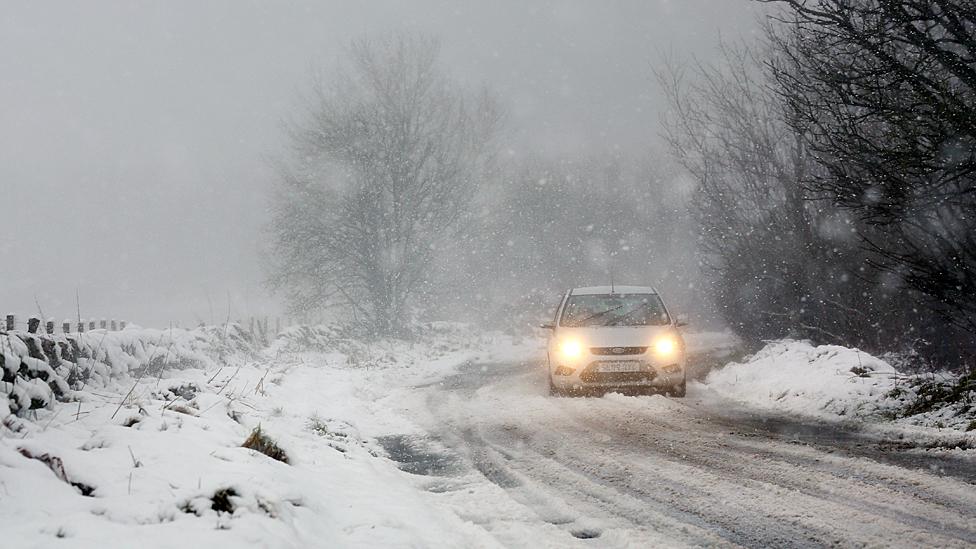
(614, 310)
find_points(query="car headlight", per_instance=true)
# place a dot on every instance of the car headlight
(665, 346)
(570, 349)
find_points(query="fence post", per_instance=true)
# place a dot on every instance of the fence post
(11, 323)
(33, 323)
(49, 326)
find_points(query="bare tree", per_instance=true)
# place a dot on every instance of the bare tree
(556, 223)
(386, 161)
(781, 261)
(884, 94)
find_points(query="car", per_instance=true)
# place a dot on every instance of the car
(615, 338)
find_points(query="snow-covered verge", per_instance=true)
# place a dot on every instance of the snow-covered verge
(837, 382)
(40, 368)
(159, 460)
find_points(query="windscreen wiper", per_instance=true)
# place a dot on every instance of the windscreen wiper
(599, 314)
(630, 312)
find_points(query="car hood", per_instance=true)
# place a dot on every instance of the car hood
(615, 336)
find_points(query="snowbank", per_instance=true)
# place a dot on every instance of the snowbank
(836, 382)
(800, 377)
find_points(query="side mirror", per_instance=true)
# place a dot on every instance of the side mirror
(548, 326)
(680, 321)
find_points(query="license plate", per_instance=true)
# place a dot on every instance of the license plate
(618, 367)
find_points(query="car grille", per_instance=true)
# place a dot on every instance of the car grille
(618, 351)
(590, 375)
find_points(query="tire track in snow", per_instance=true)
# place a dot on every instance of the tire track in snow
(579, 487)
(676, 468)
(830, 502)
(689, 504)
(560, 495)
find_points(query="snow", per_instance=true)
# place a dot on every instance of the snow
(96, 357)
(162, 452)
(800, 377)
(833, 382)
(628, 468)
(157, 465)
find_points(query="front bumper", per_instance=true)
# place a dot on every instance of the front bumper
(651, 374)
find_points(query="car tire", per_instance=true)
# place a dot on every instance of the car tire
(679, 389)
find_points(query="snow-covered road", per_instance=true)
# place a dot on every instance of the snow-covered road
(535, 471)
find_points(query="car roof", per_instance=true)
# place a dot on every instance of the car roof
(603, 290)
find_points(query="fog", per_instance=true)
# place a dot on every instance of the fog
(136, 137)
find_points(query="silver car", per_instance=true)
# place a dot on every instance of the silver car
(622, 337)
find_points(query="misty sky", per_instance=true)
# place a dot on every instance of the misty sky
(135, 136)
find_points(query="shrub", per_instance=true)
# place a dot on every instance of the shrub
(221, 501)
(933, 394)
(263, 443)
